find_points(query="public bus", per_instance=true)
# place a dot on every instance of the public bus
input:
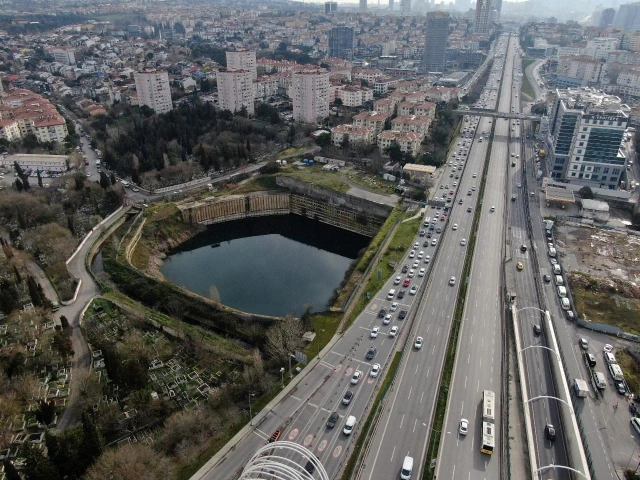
(488, 425)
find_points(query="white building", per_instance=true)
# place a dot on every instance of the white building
(599, 47)
(45, 163)
(409, 142)
(154, 91)
(310, 95)
(236, 90)
(353, 96)
(355, 134)
(266, 87)
(242, 60)
(64, 55)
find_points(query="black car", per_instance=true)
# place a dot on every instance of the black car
(438, 230)
(546, 278)
(401, 294)
(346, 400)
(310, 467)
(469, 210)
(371, 353)
(382, 313)
(550, 431)
(429, 235)
(537, 330)
(523, 248)
(333, 419)
(405, 268)
(402, 315)
(620, 387)
(422, 233)
(432, 228)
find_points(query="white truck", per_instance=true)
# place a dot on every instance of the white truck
(581, 388)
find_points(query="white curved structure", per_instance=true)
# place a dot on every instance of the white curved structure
(283, 461)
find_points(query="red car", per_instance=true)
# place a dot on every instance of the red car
(443, 218)
(450, 192)
(406, 282)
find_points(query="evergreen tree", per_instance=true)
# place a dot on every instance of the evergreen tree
(113, 179)
(10, 471)
(37, 467)
(18, 277)
(40, 179)
(34, 293)
(93, 443)
(19, 185)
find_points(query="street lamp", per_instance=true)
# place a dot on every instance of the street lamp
(250, 416)
(318, 345)
(282, 375)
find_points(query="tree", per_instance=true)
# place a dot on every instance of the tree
(46, 412)
(324, 140)
(93, 443)
(283, 337)
(586, 193)
(344, 143)
(131, 461)
(40, 179)
(10, 471)
(395, 152)
(291, 135)
(113, 179)
(338, 102)
(37, 467)
(104, 180)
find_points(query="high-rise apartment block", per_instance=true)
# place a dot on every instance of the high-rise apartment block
(435, 47)
(242, 60)
(330, 7)
(341, 42)
(483, 16)
(586, 130)
(363, 5)
(154, 91)
(236, 90)
(310, 95)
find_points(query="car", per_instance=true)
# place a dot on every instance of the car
(533, 194)
(88, 174)
(371, 353)
(375, 370)
(464, 426)
(469, 209)
(550, 432)
(427, 259)
(469, 193)
(523, 248)
(400, 295)
(434, 242)
(546, 278)
(136, 189)
(397, 280)
(438, 230)
(519, 266)
(348, 395)
(394, 307)
(492, 209)
(393, 332)
(422, 233)
(407, 282)
(620, 387)
(519, 185)
(420, 254)
(553, 261)
(405, 269)
(412, 253)
(608, 348)
(421, 272)
(474, 175)
(386, 320)
(333, 419)
(356, 377)
(416, 246)
(537, 330)
(584, 343)
(473, 188)
(416, 264)
(402, 315)
(570, 315)
(413, 290)
(418, 343)
(455, 226)
(463, 242)
(452, 281)
(460, 202)
(374, 332)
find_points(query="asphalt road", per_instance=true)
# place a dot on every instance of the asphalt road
(478, 364)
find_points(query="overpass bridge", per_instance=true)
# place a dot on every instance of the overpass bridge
(483, 112)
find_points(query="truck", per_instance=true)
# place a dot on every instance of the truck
(581, 388)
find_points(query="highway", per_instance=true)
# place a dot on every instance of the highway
(404, 427)
(478, 364)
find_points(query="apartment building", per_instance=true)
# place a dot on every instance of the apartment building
(483, 16)
(355, 134)
(578, 71)
(154, 91)
(236, 90)
(64, 55)
(385, 105)
(352, 95)
(310, 95)
(266, 87)
(375, 120)
(586, 130)
(409, 142)
(243, 60)
(24, 112)
(413, 123)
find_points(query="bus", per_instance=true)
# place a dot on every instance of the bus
(488, 418)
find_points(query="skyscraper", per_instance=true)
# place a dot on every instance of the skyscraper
(310, 95)
(391, 4)
(435, 44)
(363, 5)
(341, 42)
(628, 17)
(483, 15)
(242, 60)
(154, 91)
(606, 18)
(405, 7)
(330, 7)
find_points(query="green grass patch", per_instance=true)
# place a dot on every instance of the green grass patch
(631, 370)
(325, 325)
(527, 88)
(388, 263)
(450, 355)
(364, 435)
(317, 176)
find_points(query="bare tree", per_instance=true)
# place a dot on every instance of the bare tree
(89, 388)
(131, 461)
(284, 337)
(176, 307)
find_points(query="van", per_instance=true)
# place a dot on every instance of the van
(349, 424)
(391, 294)
(610, 358)
(562, 292)
(564, 302)
(559, 280)
(407, 468)
(557, 269)
(427, 221)
(552, 251)
(55, 306)
(601, 383)
(616, 371)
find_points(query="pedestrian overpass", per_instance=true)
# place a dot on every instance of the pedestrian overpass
(483, 112)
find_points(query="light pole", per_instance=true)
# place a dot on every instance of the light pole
(290, 374)
(631, 456)
(250, 416)
(318, 345)
(282, 375)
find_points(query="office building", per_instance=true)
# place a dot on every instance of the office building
(405, 7)
(65, 55)
(236, 90)
(483, 16)
(586, 130)
(606, 17)
(363, 5)
(341, 42)
(310, 95)
(435, 46)
(330, 7)
(391, 4)
(242, 60)
(628, 17)
(153, 90)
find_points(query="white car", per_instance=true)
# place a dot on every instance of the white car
(411, 273)
(608, 348)
(356, 376)
(416, 245)
(463, 242)
(418, 343)
(421, 272)
(420, 254)
(374, 332)
(375, 370)
(394, 307)
(452, 281)
(386, 321)
(455, 226)
(464, 426)
(416, 264)
(397, 280)
(427, 259)
(393, 332)
(412, 253)
(413, 290)
(493, 208)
